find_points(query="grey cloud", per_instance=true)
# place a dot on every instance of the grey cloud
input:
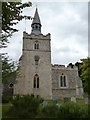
(68, 33)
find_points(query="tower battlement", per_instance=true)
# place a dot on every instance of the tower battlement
(33, 36)
(57, 66)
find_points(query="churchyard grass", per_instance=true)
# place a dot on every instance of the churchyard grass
(0, 110)
(79, 100)
(5, 108)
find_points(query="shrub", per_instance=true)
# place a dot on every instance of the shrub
(6, 99)
(28, 106)
(50, 111)
(66, 111)
(25, 106)
(72, 110)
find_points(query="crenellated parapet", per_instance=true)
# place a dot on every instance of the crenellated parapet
(57, 66)
(33, 36)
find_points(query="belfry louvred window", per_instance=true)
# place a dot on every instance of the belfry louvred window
(36, 45)
(36, 81)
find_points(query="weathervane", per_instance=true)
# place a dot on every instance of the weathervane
(25, 23)
(36, 5)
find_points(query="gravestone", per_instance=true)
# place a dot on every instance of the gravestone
(44, 103)
(54, 100)
(73, 99)
(58, 105)
(86, 100)
(66, 99)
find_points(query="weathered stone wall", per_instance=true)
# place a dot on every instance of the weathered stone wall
(72, 78)
(62, 93)
(28, 68)
(49, 75)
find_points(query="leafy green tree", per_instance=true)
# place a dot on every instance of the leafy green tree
(72, 111)
(85, 74)
(78, 64)
(68, 110)
(11, 15)
(9, 69)
(70, 64)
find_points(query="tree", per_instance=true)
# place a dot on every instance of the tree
(9, 72)
(85, 74)
(71, 65)
(78, 64)
(11, 15)
(9, 69)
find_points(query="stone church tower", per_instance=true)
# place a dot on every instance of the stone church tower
(35, 64)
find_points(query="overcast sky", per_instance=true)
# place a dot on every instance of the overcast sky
(68, 24)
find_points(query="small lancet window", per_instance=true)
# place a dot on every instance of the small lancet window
(39, 28)
(63, 81)
(36, 81)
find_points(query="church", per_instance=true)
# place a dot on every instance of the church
(37, 75)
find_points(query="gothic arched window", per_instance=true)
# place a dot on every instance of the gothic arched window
(36, 45)
(63, 81)
(64, 78)
(36, 81)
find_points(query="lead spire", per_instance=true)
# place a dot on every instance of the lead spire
(36, 24)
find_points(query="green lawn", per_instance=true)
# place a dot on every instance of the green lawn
(5, 108)
(0, 111)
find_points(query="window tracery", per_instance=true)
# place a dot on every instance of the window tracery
(36, 81)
